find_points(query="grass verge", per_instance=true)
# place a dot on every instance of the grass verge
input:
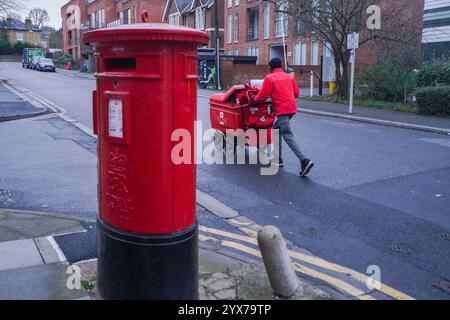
(367, 102)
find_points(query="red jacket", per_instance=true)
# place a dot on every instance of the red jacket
(283, 90)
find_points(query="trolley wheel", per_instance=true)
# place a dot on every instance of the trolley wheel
(219, 140)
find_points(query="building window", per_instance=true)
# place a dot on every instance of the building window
(253, 52)
(174, 18)
(236, 27)
(267, 21)
(230, 3)
(101, 18)
(92, 21)
(229, 28)
(236, 51)
(199, 18)
(19, 36)
(127, 16)
(314, 53)
(327, 50)
(236, 2)
(252, 23)
(300, 27)
(281, 21)
(186, 20)
(300, 53)
(228, 52)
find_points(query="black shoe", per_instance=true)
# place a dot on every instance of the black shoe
(306, 167)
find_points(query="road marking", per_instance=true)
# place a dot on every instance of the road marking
(228, 234)
(355, 292)
(316, 261)
(59, 252)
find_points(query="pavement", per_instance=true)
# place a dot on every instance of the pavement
(13, 107)
(33, 266)
(377, 197)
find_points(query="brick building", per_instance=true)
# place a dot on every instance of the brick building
(253, 27)
(258, 28)
(198, 14)
(79, 16)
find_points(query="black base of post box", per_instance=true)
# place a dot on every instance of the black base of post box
(134, 266)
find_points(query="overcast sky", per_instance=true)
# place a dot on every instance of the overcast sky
(53, 8)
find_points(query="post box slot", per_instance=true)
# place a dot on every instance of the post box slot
(120, 64)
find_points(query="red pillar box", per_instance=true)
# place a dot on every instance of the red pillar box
(147, 231)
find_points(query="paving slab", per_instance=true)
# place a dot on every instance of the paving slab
(43, 282)
(19, 254)
(18, 225)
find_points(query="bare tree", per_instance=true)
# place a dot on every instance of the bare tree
(330, 21)
(10, 8)
(39, 16)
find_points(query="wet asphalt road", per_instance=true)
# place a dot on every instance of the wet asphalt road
(377, 195)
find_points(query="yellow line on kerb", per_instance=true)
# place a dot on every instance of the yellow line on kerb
(305, 270)
(318, 262)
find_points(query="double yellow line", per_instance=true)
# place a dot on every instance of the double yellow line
(338, 283)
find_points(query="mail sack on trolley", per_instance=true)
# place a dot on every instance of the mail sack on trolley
(237, 119)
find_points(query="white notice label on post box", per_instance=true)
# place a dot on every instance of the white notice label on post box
(115, 118)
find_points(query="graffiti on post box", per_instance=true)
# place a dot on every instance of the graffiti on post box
(118, 196)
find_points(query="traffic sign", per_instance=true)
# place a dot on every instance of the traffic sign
(353, 41)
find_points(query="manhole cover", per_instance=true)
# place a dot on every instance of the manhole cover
(444, 236)
(401, 248)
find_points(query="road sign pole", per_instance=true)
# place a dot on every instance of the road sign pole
(352, 82)
(352, 44)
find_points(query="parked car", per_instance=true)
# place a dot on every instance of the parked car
(34, 62)
(45, 64)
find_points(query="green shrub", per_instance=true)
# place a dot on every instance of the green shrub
(434, 74)
(433, 101)
(387, 82)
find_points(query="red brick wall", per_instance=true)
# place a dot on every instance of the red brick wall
(155, 9)
(399, 17)
(96, 6)
(410, 11)
(261, 43)
(232, 74)
(81, 4)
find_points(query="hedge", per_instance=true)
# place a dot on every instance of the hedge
(434, 101)
(434, 74)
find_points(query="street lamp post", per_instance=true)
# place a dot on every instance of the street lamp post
(216, 26)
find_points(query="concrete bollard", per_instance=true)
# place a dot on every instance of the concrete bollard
(278, 264)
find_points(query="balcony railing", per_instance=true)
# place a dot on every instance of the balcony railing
(114, 23)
